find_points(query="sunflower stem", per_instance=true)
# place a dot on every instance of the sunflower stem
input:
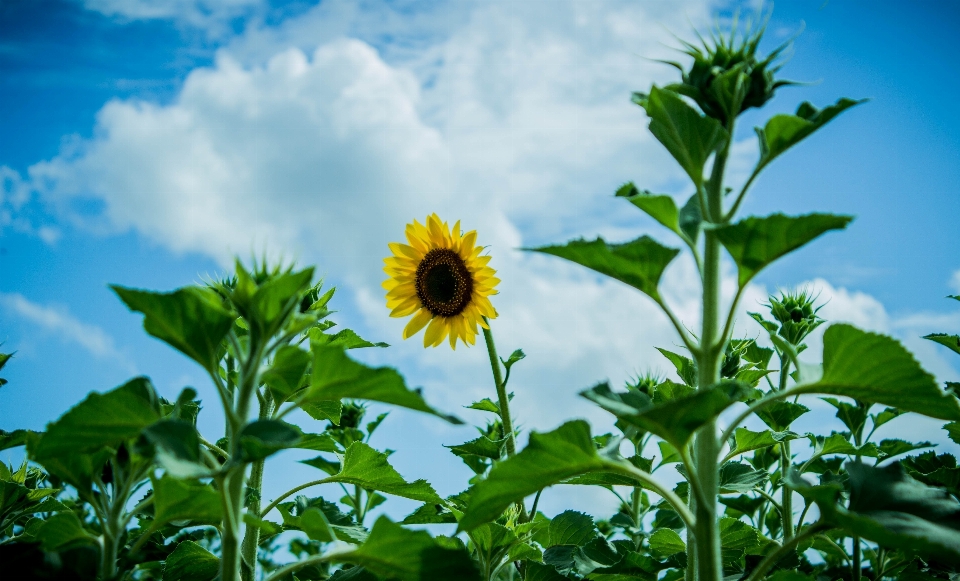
(502, 398)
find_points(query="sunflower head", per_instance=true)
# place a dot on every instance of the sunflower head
(440, 277)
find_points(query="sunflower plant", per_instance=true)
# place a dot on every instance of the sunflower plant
(712, 476)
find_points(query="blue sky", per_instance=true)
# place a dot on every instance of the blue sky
(146, 142)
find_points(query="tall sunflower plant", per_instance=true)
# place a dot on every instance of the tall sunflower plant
(712, 479)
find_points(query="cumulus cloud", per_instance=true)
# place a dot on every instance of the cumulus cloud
(59, 321)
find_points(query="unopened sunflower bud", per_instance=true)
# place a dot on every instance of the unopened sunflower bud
(797, 315)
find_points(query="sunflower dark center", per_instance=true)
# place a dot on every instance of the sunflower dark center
(444, 284)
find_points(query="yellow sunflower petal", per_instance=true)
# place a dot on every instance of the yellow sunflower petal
(406, 251)
(402, 292)
(415, 240)
(416, 323)
(466, 244)
(404, 308)
(435, 227)
(435, 330)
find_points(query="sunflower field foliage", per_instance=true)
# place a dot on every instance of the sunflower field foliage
(123, 486)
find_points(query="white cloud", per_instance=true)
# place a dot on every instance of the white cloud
(213, 16)
(59, 321)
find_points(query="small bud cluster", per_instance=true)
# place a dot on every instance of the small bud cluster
(796, 314)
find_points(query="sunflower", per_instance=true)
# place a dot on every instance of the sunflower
(440, 278)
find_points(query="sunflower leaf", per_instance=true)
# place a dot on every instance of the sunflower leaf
(368, 468)
(874, 368)
(951, 342)
(756, 242)
(639, 263)
(336, 376)
(181, 500)
(549, 459)
(190, 562)
(689, 136)
(784, 131)
(191, 320)
(676, 420)
(397, 553)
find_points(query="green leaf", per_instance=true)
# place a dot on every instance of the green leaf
(893, 510)
(538, 572)
(63, 530)
(485, 405)
(951, 342)
(548, 459)
(183, 500)
(666, 542)
(176, 447)
(659, 207)
(747, 440)
(269, 304)
(16, 438)
(674, 421)
(689, 136)
(261, 438)
(318, 442)
(482, 446)
(345, 339)
(784, 131)
(686, 367)
(953, 431)
(100, 420)
(738, 477)
(779, 415)
(754, 242)
(571, 528)
(324, 410)
(336, 376)
(368, 468)
(394, 552)
(878, 369)
(191, 320)
(935, 470)
(190, 562)
(894, 447)
(639, 263)
(284, 377)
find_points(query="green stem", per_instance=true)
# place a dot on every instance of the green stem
(251, 538)
(706, 445)
(856, 566)
(786, 461)
(502, 398)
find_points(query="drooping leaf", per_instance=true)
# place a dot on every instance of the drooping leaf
(336, 376)
(756, 242)
(176, 447)
(366, 467)
(345, 339)
(324, 410)
(322, 442)
(890, 448)
(779, 415)
(261, 438)
(184, 500)
(666, 542)
(639, 263)
(953, 431)
(191, 320)
(674, 421)
(784, 131)
(105, 419)
(659, 207)
(951, 342)
(63, 530)
(878, 369)
(891, 509)
(285, 375)
(482, 446)
(747, 440)
(548, 459)
(190, 562)
(935, 470)
(16, 438)
(392, 551)
(689, 136)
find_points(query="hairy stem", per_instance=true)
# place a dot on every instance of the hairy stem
(786, 460)
(251, 538)
(502, 398)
